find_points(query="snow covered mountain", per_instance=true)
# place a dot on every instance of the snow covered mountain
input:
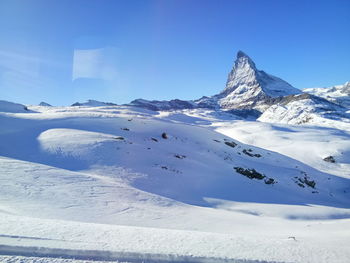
(248, 87)
(339, 94)
(94, 103)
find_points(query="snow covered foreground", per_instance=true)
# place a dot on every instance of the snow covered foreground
(103, 183)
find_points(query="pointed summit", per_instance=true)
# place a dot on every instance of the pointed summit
(240, 53)
(243, 58)
(243, 72)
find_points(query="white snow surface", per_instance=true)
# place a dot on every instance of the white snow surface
(104, 179)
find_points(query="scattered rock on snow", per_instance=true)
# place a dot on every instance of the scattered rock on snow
(329, 159)
(305, 180)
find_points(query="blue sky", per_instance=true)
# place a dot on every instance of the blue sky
(65, 51)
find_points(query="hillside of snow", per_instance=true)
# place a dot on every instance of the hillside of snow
(183, 185)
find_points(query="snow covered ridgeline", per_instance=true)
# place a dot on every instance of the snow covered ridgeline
(339, 94)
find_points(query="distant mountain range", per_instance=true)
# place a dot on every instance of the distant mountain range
(248, 88)
(253, 92)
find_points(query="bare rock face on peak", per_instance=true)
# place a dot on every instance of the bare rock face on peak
(250, 88)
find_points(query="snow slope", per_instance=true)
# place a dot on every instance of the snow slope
(107, 178)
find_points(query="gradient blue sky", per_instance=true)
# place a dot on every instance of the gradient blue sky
(70, 50)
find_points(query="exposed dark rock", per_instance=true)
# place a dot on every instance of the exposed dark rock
(329, 159)
(154, 139)
(231, 144)
(250, 173)
(164, 135)
(180, 156)
(249, 153)
(310, 183)
(269, 181)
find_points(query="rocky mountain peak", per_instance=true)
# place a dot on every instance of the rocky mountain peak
(243, 72)
(248, 87)
(242, 59)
